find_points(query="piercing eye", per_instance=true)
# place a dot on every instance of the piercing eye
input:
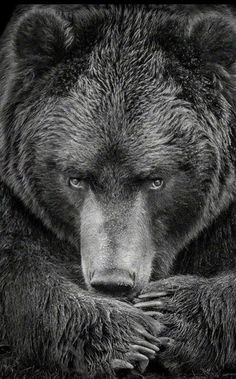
(156, 184)
(76, 183)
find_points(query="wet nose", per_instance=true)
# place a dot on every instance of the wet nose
(112, 282)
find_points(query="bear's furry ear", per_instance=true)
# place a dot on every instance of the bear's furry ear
(42, 38)
(215, 37)
(215, 40)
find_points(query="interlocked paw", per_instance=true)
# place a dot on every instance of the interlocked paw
(142, 349)
(174, 302)
(160, 297)
(154, 303)
(170, 302)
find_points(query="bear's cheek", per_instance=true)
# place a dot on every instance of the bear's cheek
(175, 215)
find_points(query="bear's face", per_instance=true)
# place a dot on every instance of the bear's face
(117, 159)
(126, 186)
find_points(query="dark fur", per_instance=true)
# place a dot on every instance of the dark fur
(151, 93)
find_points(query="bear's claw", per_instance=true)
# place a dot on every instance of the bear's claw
(155, 294)
(120, 364)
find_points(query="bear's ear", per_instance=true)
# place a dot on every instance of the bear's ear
(42, 37)
(215, 41)
(215, 37)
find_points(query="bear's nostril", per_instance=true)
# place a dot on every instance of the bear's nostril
(112, 282)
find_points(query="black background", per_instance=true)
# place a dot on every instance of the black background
(5, 14)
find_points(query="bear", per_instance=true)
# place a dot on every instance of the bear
(118, 188)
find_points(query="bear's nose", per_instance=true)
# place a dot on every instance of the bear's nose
(112, 282)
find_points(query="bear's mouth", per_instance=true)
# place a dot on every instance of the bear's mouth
(119, 284)
(118, 295)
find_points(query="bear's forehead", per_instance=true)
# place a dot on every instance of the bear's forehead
(131, 55)
(125, 90)
(92, 129)
(120, 113)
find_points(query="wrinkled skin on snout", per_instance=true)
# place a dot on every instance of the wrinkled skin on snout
(116, 246)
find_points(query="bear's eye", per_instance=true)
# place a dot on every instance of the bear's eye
(156, 184)
(76, 183)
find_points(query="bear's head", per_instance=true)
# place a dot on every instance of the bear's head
(118, 131)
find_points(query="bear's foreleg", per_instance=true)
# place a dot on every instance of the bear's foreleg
(50, 322)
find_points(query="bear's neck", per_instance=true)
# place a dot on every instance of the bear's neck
(213, 251)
